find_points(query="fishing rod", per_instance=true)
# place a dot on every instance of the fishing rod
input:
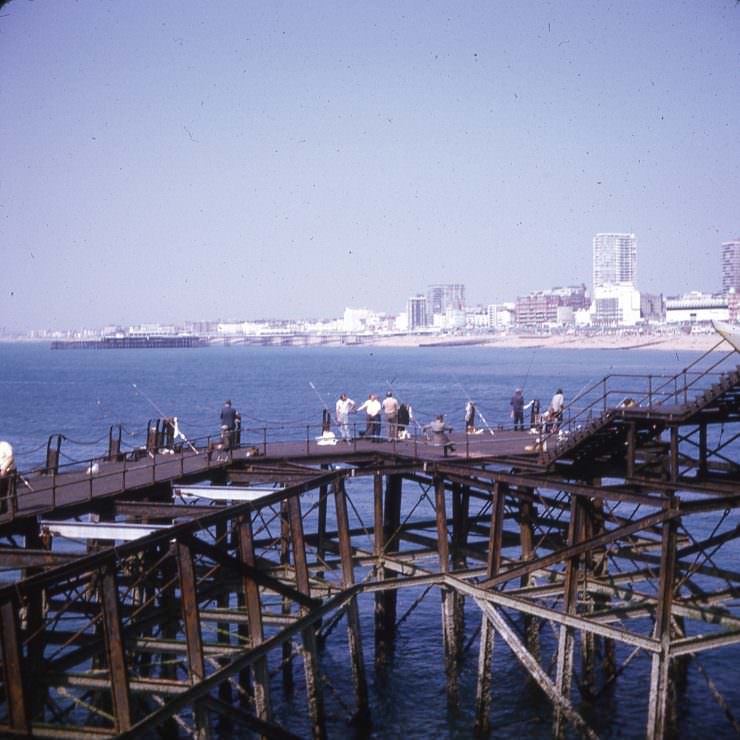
(477, 408)
(327, 420)
(321, 398)
(141, 393)
(177, 432)
(531, 361)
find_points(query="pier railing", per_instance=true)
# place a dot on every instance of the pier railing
(652, 391)
(58, 483)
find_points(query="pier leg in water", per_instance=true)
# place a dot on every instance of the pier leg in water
(448, 600)
(308, 635)
(34, 617)
(287, 648)
(487, 632)
(353, 613)
(460, 513)
(254, 615)
(660, 669)
(387, 519)
(564, 668)
(527, 515)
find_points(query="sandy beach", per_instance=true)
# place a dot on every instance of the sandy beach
(670, 343)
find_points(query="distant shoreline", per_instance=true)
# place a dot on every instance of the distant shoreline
(655, 342)
(671, 343)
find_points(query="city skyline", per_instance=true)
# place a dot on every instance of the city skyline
(159, 160)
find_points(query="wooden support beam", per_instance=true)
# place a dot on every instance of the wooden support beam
(564, 663)
(285, 607)
(577, 548)
(533, 667)
(191, 626)
(353, 614)
(254, 613)
(487, 632)
(114, 646)
(252, 571)
(14, 673)
(447, 595)
(308, 635)
(657, 726)
(387, 523)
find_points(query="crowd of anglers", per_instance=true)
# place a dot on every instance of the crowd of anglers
(385, 420)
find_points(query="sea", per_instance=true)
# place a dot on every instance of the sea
(281, 393)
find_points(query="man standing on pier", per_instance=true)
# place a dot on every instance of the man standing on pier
(229, 416)
(390, 411)
(517, 410)
(345, 406)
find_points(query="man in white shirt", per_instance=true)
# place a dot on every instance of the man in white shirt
(555, 412)
(345, 406)
(390, 412)
(372, 408)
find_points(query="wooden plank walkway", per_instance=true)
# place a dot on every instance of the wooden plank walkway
(44, 493)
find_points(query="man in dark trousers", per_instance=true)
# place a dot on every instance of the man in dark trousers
(517, 410)
(229, 416)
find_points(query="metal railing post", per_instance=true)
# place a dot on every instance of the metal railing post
(603, 394)
(264, 440)
(308, 431)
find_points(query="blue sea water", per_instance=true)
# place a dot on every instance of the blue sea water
(80, 394)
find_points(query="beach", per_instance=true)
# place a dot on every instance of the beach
(671, 343)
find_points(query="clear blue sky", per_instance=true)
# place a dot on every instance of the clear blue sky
(182, 160)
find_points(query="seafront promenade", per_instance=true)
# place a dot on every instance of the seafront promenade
(668, 343)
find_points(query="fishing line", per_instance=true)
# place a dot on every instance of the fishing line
(531, 361)
(477, 408)
(321, 398)
(145, 397)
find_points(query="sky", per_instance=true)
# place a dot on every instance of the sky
(171, 161)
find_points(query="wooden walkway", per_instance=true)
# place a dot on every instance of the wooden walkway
(45, 493)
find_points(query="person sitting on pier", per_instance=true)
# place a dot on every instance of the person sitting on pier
(438, 430)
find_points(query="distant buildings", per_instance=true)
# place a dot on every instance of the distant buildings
(616, 300)
(696, 307)
(416, 309)
(554, 306)
(615, 259)
(445, 296)
(731, 266)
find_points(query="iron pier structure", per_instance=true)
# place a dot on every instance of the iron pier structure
(189, 590)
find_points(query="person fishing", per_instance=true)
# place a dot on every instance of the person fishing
(390, 412)
(229, 422)
(344, 407)
(372, 409)
(439, 434)
(405, 416)
(470, 417)
(554, 412)
(517, 410)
